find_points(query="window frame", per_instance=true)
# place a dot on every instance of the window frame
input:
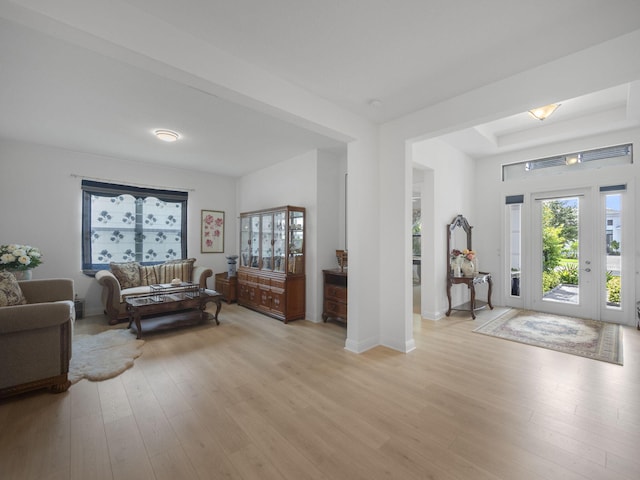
(91, 187)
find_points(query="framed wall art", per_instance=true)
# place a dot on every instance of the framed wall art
(211, 231)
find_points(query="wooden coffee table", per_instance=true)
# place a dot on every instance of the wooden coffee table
(170, 306)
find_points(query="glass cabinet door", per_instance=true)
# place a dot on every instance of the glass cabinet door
(296, 242)
(267, 242)
(279, 246)
(245, 241)
(255, 241)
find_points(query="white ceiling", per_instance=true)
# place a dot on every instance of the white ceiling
(407, 54)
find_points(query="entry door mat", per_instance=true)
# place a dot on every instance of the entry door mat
(576, 336)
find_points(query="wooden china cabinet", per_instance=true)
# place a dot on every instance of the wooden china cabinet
(271, 270)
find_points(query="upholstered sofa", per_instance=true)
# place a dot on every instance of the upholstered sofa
(131, 278)
(35, 337)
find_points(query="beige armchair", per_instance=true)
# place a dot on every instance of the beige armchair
(35, 338)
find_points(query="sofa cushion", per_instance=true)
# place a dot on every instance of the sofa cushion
(10, 291)
(133, 291)
(165, 272)
(182, 269)
(127, 273)
(149, 275)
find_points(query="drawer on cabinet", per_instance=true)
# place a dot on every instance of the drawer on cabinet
(335, 309)
(335, 292)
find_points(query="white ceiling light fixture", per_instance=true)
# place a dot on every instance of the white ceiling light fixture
(542, 113)
(167, 135)
(572, 159)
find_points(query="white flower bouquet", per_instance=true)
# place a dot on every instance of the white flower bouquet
(19, 257)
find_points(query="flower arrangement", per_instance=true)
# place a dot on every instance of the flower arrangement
(462, 254)
(19, 257)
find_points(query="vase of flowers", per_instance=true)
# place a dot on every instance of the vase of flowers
(462, 262)
(20, 260)
(468, 268)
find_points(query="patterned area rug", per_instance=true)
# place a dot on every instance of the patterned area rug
(102, 356)
(586, 338)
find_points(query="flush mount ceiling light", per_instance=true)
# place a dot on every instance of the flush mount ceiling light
(572, 159)
(167, 135)
(544, 112)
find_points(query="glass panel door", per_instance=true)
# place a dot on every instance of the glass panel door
(245, 241)
(563, 257)
(296, 242)
(255, 241)
(267, 241)
(279, 246)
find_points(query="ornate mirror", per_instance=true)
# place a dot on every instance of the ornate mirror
(458, 236)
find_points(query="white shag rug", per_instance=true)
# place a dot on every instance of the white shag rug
(102, 356)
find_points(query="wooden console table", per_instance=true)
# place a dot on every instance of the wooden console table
(471, 282)
(459, 234)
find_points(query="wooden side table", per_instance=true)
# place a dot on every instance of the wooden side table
(471, 282)
(227, 286)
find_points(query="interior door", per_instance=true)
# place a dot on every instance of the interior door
(565, 271)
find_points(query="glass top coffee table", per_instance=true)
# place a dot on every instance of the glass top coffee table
(170, 306)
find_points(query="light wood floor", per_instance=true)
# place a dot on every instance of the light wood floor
(253, 398)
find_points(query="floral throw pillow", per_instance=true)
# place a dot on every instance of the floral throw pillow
(10, 291)
(127, 273)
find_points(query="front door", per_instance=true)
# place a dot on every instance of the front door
(564, 266)
(577, 246)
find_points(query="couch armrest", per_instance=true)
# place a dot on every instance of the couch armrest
(49, 290)
(200, 275)
(110, 294)
(109, 280)
(34, 316)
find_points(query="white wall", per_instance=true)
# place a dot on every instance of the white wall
(331, 170)
(41, 205)
(313, 181)
(450, 189)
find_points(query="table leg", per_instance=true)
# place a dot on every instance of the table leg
(489, 293)
(218, 307)
(130, 310)
(448, 296)
(203, 306)
(473, 300)
(138, 324)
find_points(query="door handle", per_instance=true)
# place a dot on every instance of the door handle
(587, 269)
